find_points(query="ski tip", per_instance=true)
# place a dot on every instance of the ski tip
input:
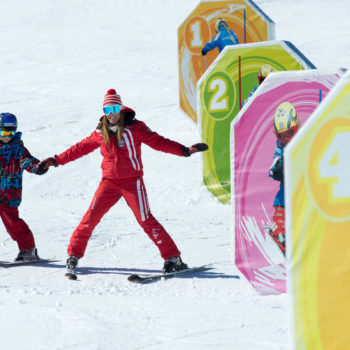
(71, 276)
(134, 278)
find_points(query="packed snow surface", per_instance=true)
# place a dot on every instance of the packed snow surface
(57, 60)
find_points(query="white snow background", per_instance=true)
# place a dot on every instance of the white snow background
(57, 60)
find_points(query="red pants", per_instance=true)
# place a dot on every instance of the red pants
(108, 193)
(280, 231)
(16, 227)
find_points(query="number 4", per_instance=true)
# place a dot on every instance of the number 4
(335, 163)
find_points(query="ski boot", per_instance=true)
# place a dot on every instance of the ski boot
(71, 265)
(280, 239)
(174, 264)
(27, 255)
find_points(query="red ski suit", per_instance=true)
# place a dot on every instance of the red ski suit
(121, 177)
(14, 159)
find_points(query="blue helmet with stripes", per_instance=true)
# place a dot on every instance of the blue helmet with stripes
(8, 121)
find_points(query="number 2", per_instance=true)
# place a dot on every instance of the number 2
(218, 101)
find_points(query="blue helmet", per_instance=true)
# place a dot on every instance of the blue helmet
(220, 22)
(8, 121)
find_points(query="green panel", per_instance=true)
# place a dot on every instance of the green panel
(220, 102)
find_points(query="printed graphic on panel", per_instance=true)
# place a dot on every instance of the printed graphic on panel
(318, 223)
(222, 91)
(211, 26)
(259, 135)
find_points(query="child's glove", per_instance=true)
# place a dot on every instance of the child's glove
(40, 170)
(198, 147)
(46, 163)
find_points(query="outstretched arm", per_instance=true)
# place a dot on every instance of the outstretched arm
(79, 150)
(163, 144)
(31, 164)
(210, 45)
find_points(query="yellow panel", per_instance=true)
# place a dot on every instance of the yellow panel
(318, 193)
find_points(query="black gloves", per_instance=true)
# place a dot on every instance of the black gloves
(203, 52)
(276, 172)
(40, 170)
(46, 163)
(198, 147)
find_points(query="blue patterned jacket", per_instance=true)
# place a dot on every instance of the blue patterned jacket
(14, 159)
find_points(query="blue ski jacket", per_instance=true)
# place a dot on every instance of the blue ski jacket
(223, 38)
(14, 159)
(277, 154)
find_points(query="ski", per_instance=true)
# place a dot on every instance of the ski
(22, 263)
(147, 278)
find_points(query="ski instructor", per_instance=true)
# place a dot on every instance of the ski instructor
(119, 136)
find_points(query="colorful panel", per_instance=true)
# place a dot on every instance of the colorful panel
(253, 145)
(242, 16)
(221, 92)
(318, 222)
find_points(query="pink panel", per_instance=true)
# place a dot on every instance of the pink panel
(256, 255)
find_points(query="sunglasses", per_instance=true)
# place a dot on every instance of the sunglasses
(112, 109)
(6, 133)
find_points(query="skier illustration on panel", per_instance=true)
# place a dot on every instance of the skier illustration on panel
(224, 37)
(285, 125)
(119, 136)
(264, 71)
(14, 159)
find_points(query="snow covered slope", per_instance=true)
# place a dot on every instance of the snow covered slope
(57, 60)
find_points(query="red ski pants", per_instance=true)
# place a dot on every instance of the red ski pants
(108, 193)
(279, 220)
(16, 227)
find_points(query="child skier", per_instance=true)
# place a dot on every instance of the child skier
(285, 125)
(264, 71)
(14, 158)
(224, 37)
(119, 137)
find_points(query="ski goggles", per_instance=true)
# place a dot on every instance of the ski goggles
(7, 133)
(112, 109)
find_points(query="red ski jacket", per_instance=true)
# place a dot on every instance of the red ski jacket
(121, 159)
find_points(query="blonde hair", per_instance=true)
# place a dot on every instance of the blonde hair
(104, 125)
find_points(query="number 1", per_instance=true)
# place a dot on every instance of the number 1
(196, 35)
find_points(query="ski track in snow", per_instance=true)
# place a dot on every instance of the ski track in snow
(57, 60)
